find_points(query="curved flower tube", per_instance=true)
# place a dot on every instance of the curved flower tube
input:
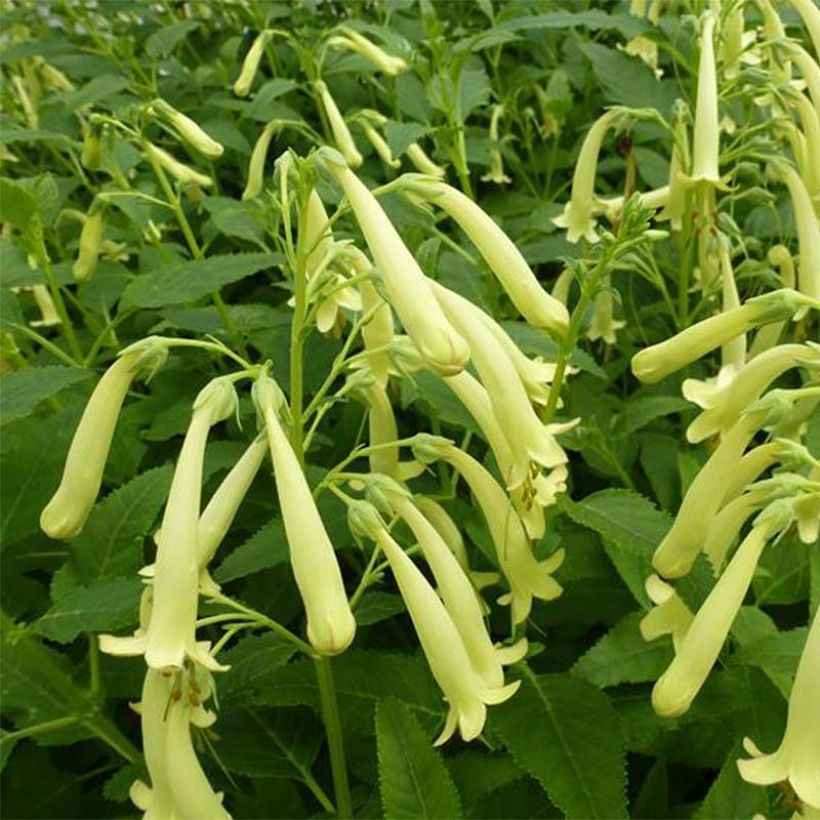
(250, 64)
(723, 403)
(654, 363)
(808, 234)
(256, 166)
(378, 332)
(330, 623)
(378, 142)
(171, 634)
(381, 420)
(89, 249)
(769, 335)
(811, 19)
(675, 205)
(669, 616)
(342, 137)
(423, 163)
(407, 288)
(496, 173)
(190, 131)
(578, 216)
(604, 325)
(798, 757)
(463, 687)
(66, 513)
(675, 690)
(353, 41)
(535, 304)
(178, 170)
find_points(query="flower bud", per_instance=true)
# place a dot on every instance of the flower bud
(188, 130)
(256, 167)
(496, 173)
(654, 363)
(67, 511)
(353, 41)
(250, 65)
(90, 238)
(808, 234)
(423, 163)
(178, 170)
(342, 137)
(408, 289)
(535, 304)
(330, 623)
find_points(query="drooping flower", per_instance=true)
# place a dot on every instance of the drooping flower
(578, 218)
(811, 19)
(669, 616)
(381, 421)
(496, 173)
(178, 170)
(675, 205)
(604, 325)
(724, 401)
(89, 250)
(465, 690)
(250, 64)
(189, 130)
(171, 634)
(797, 759)
(353, 41)
(330, 623)
(369, 119)
(423, 163)
(69, 507)
(527, 577)
(808, 234)
(535, 304)
(377, 332)
(342, 138)
(654, 363)
(675, 690)
(256, 166)
(407, 288)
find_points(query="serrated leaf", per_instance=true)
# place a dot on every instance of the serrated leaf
(191, 280)
(111, 541)
(266, 548)
(377, 606)
(162, 42)
(637, 413)
(400, 135)
(22, 392)
(413, 779)
(108, 605)
(623, 656)
(777, 655)
(566, 734)
(251, 660)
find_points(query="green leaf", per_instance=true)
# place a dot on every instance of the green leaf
(17, 205)
(777, 655)
(377, 606)
(400, 135)
(111, 541)
(413, 779)
(106, 606)
(21, 392)
(566, 734)
(623, 656)
(250, 660)
(94, 92)
(731, 796)
(639, 412)
(161, 43)
(593, 19)
(188, 281)
(266, 548)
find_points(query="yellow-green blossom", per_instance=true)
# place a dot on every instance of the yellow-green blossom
(353, 41)
(342, 138)
(423, 163)
(189, 130)
(89, 250)
(496, 173)
(250, 64)
(178, 170)
(669, 616)
(808, 234)
(256, 166)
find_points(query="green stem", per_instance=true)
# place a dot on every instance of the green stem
(335, 740)
(59, 304)
(39, 729)
(110, 734)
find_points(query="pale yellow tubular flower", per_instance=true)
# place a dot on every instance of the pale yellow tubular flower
(496, 173)
(423, 163)
(256, 166)
(669, 616)
(48, 310)
(612, 207)
(654, 363)
(680, 546)
(465, 690)
(379, 144)
(157, 800)
(768, 336)
(529, 439)
(675, 690)
(733, 351)
(733, 41)
(178, 170)
(810, 13)
(54, 78)
(752, 465)
(342, 138)
(218, 515)
(676, 201)
(388, 63)
(171, 634)
(706, 140)
(809, 69)
(190, 131)
(378, 332)
(578, 216)
(527, 577)
(330, 623)
(90, 238)
(534, 303)
(250, 65)
(459, 598)
(604, 325)
(808, 234)
(381, 421)
(407, 288)
(722, 405)
(69, 507)
(798, 757)
(727, 524)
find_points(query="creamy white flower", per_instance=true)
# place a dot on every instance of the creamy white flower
(798, 757)
(342, 138)
(69, 507)
(178, 170)
(381, 421)
(604, 325)
(250, 64)
(535, 304)
(725, 400)
(423, 163)
(527, 577)
(654, 363)
(578, 216)
(89, 249)
(496, 173)
(378, 331)
(256, 166)
(808, 234)
(675, 690)
(811, 19)
(769, 335)
(171, 634)
(675, 205)
(330, 623)
(407, 288)
(463, 687)
(378, 142)
(353, 41)
(669, 616)
(189, 130)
